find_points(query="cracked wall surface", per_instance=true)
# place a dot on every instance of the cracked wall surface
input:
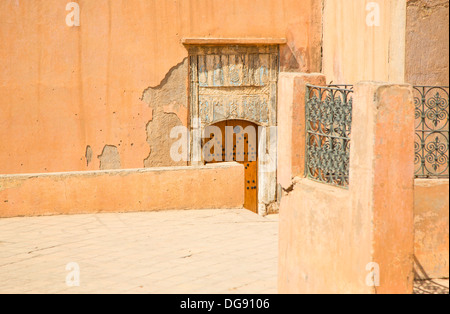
(168, 101)
(304, 53)
(427, 38)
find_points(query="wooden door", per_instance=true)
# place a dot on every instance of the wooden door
(246, 154)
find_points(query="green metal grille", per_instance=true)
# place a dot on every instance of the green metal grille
(328, 128)
(432, 131)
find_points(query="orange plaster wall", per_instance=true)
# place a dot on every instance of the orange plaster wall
(123, 190)
(64, 88)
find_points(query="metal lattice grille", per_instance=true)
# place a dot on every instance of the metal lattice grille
(432, 131)
(328, 128)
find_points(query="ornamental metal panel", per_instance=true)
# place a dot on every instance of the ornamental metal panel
(432, 131)
(328, 129)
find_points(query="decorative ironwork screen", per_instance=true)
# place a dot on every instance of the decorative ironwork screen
(432, 131)
(328, 128)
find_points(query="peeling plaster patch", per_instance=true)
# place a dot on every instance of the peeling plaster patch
(88, 155)
(110, 158)
(158, 137)
(172, 91)
(294, 57)
(169, 103)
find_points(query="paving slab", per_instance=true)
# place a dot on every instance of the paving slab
(195, 251)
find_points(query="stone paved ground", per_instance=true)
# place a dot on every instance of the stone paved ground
(208, 251)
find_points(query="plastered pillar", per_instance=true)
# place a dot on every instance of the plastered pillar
(360, 239)
(382, 179)
(291, 126)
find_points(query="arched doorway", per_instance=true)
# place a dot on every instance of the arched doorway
(236, 140)
(237, 82)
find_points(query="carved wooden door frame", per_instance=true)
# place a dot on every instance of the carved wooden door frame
(236, 82)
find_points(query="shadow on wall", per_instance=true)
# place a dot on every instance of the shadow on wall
(429, 287)
(426, 286)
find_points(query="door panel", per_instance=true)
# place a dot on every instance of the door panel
(246, 154)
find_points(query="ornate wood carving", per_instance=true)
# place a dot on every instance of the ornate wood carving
(234, 82)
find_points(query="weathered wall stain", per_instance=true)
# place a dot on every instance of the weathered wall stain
(169, 102)
(289, 60)
(88, 155)
(296, 56)
(110, 158)
(427, 36)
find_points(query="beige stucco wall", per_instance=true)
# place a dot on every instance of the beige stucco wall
(111, 89)
(427, 42)
(427, 63)
(431, 227)
(216, 186)
(354, 51)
